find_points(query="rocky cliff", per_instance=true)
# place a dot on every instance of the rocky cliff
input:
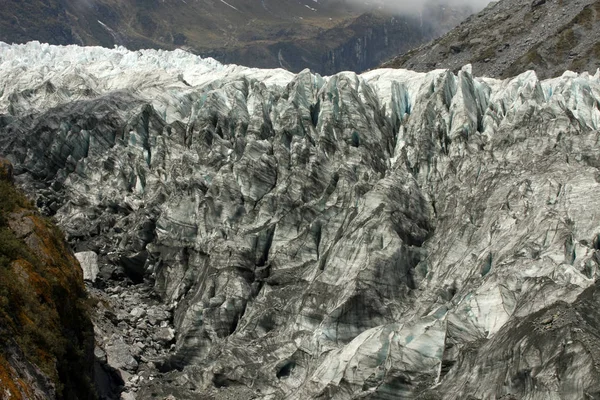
(269, 235)
(511, 36)
(45, 328)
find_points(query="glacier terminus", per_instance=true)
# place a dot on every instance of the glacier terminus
(388, 235)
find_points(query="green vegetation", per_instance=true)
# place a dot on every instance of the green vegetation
(42, 302)
(585, 18)
(489, 52)
(155, 23)
(530, 59)
(532, 56)
(566, 41)
(596, 50)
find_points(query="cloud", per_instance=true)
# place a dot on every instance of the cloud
(416, 6)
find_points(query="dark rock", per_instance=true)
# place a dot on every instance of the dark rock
(536, 3)
(6, 170)
(133, 266)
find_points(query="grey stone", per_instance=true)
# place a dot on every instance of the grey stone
(137, 313)
(89, 264)
(128, 396)
(164, 335)
(119, 355)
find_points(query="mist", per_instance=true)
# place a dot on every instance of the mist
(416, 6)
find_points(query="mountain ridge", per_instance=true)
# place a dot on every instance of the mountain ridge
(509, 37)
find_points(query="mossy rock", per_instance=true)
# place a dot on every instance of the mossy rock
(44, 317)
(6, 170)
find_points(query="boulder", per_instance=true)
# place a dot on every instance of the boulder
(89, 264)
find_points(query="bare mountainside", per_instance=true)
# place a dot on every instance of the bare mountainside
(327, 36)
(512, 36)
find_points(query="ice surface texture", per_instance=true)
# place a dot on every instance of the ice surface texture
(386, 235)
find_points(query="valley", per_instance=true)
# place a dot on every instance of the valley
(326, 36)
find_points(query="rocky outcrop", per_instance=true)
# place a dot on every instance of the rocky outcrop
(386, 235)
(45, 327)
(510, 37)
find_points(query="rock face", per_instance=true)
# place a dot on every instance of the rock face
(45, 327)
(511, 36)
(387, 235)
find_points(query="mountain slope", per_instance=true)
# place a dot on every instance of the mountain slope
(45, 327)
(387, 235)
(510, 37)
(326, 36)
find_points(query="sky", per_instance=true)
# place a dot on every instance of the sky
(416, 5)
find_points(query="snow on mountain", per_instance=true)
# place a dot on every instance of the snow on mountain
(392, 234)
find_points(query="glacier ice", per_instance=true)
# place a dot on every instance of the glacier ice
(386, 234)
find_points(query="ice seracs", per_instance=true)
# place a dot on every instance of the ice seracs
(352, 236)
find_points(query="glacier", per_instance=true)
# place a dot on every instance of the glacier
(386, 235)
